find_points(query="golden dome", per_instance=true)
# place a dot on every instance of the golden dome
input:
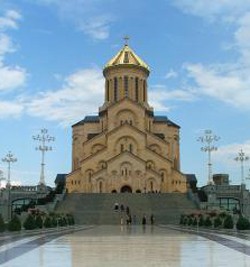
(127, 57)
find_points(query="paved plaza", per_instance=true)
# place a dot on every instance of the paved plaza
(125, 246)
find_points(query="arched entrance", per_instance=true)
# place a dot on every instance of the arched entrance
(126, 189)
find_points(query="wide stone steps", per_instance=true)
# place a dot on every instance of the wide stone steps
(99, 208)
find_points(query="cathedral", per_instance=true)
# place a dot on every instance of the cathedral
(126, 148)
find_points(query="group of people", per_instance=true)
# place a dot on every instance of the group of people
(129, 219)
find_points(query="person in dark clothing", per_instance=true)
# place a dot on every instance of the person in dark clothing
(144, 220)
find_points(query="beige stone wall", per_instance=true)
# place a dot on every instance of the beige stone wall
(125, 151)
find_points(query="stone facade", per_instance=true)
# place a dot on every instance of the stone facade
(126, 148)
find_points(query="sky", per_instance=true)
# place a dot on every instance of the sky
(52, 53)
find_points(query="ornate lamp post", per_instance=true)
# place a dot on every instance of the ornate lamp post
(208, 138)
(43, 138)
(241, 158)
(9, 158)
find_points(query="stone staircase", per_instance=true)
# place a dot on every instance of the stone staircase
(99, 208)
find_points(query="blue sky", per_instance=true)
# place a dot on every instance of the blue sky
(51, 57)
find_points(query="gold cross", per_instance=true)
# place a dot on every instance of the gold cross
(126, 39)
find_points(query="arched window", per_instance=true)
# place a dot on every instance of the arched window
(136, 89)
(126, 86)
(151, 186)
(162, 176)
(115, 89)
(126, 59)
(131, 148)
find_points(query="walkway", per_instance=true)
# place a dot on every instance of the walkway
(115, 246)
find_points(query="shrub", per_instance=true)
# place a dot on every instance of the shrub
(217, 222)
(228, 222)
(14, 224)
(2, 224)
(71, 220)
(39, 222)
(208, 222)
(190, 221)
(195, 222)
(29, 223)
(201, 220)
(47, 223)
(243, 223)
(181, 219)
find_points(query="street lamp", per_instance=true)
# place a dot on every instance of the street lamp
(9, 158)
(208, 138)
(43, 138)
(241, 158)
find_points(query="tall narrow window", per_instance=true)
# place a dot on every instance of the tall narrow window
(144, 90)
(122, 147)
(152, 186)
(115, 89)
(126, 59)
(131, 148)
(126, 85)
(107, 97)
(100, 187)
(136, 89)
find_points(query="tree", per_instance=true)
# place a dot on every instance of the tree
(217, 222)
(47, 222)
(14, 224)
(243, 223)
(208, 222)
(228, 222)
(201, 220)
(39, 222)
(29, 223)
(2, 224)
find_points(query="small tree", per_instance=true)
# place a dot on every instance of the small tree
(190, 220)
(217, 222)
(2, 224)
(14, 224)
(195, 222)
(201, 221)
(71, 220)
(47, 222)
(243, 223)
(181, 219)
(208, 222)
(39, 222)
(228, 222)
(29, 223)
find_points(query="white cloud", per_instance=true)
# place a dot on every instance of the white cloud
(97, 27)
(224, 10)
(225, 84)
(229, 83)
(88, 16)
(80, 95)
(159, 95)
(10, 109)
(10, 76)
(227, 154)
(171, 74)
(9, 20)
(6, 45)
